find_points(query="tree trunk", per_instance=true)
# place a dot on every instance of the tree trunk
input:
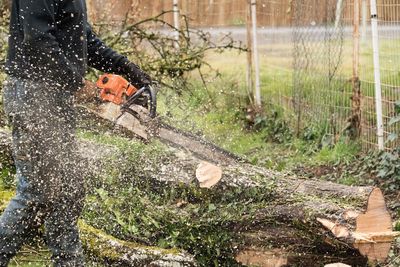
(302, 213)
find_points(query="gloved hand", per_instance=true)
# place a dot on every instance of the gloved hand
(136, 76)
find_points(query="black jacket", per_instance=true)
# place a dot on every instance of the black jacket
(51, 40)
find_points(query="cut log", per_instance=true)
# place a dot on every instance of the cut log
(373, 235)
(115, 252)
(323, 213)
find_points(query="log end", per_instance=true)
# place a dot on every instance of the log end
(374, 235)
(208, 174)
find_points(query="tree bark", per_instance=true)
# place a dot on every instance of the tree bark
(115, 252)
(323, 214)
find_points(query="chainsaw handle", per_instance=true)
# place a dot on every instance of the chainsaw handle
(153, 101)
(152, 98)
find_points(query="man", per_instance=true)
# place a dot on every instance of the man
(50, 46)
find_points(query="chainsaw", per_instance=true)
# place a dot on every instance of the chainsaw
(134, 110)
(117, 90)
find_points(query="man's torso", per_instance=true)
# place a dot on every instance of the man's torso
(69, 31)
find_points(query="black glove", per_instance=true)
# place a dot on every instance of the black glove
(136, 76)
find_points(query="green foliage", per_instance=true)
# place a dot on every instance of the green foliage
(7, 177)
(389, 169)
(397, 226)
(4, 21)
(124, 203)
(273, 126)
(389, 161)
(315, 132)
(32, 257)
(7, 171)
(395, 120)
(148, 218)
(342, 152)
(197, 220)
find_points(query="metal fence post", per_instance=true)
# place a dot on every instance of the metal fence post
(377, 76)
(257, 93)
(176, 22)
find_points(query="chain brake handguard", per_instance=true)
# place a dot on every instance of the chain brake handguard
(146, 97)
(116, 89)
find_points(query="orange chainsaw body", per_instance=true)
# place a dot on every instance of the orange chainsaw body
(115, 88)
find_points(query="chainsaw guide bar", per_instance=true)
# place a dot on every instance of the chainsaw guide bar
(138, 122)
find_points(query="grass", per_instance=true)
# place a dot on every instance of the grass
(340, 153)
(222, 120)
(32, 257)
(320, 98)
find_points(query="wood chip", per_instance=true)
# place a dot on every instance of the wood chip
(338, 230)
(263, 258)
(350, 214)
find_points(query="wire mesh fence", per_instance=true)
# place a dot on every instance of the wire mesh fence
(389, 39)
(306, 52)
(321, 93)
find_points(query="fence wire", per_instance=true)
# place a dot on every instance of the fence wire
(306, 52)
(321, 93)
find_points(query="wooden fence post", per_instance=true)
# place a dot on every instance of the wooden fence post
(339, 10)
(356, 97)
(249, 69)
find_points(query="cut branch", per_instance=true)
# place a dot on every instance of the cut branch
(116, 252)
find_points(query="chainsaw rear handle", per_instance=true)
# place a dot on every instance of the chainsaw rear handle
(151, 93)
